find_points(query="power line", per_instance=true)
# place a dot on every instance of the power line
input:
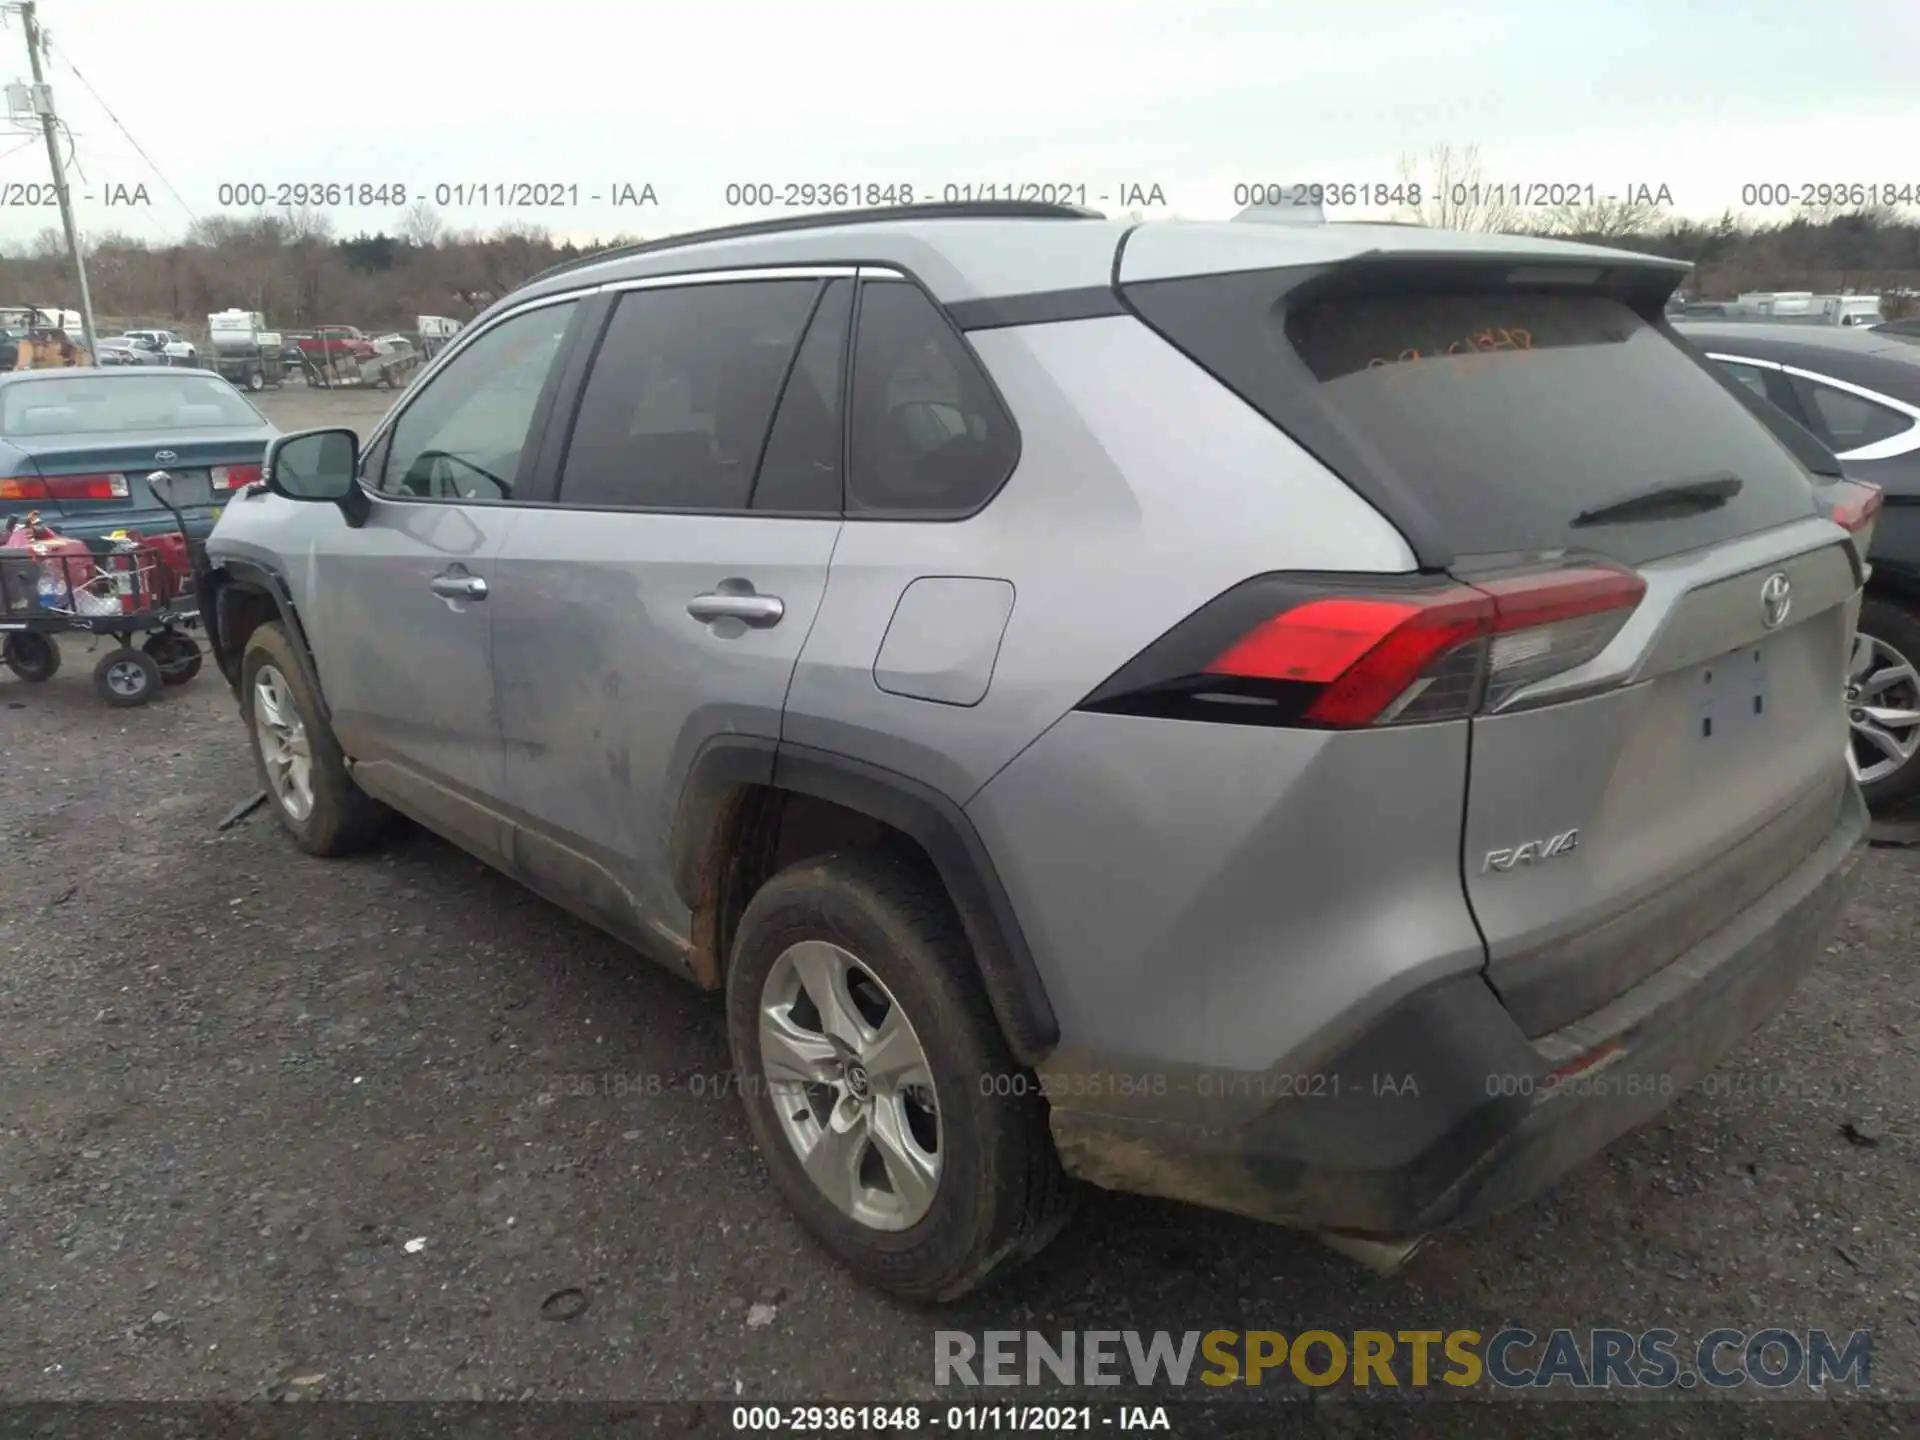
(67, 60)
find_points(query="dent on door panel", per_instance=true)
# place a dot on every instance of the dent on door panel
(944, 638)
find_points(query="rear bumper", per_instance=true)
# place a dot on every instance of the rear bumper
(1442, 1112)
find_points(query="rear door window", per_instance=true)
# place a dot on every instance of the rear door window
(802, 471)
(1508, 415)
(676, 411)
(1848, 421)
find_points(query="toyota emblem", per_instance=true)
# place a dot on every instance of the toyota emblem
(1776, 599)
(164, 456)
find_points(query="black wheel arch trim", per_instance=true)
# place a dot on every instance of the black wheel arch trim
(934, 822)
(253, 575)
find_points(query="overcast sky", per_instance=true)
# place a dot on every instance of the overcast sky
(1702, 96)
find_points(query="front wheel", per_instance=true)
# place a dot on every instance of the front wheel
(1883, 704)
(868, 1057)
(256, 381)
(32, 657)
(299, 760)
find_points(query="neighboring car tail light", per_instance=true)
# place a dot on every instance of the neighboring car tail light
(87, 487)
(1283, 650)
(23, 490)
(1854, 506)
(234, 477)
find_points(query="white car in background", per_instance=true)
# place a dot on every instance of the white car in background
(177, 350)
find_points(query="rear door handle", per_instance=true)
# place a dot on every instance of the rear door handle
(756, 610)
(458, 587)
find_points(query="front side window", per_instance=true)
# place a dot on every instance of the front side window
(1748, 376)
(462, 438)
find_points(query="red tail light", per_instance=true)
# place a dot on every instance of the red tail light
(234, 477)
(23, 489)
(1336, 657)
(1853, 505)
(87, 487)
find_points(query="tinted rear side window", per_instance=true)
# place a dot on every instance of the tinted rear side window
(1505, 414)
(930, 440)
(802, 470)
(676, 410)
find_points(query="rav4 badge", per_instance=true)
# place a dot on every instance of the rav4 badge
(1534, 850)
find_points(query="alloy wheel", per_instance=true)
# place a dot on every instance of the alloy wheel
(850, 1086)
(1883, 709)
(284, 749)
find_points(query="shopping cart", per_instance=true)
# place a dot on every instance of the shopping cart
(121, 586)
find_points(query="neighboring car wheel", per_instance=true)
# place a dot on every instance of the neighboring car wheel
(177, 656)
(299, 760)
(868, 1059)
(126, 677)
(1883, 704)
(31, 657)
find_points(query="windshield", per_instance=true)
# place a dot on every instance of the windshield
(90, 405)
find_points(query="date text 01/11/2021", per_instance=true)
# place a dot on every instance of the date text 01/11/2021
(872, 194)
(1012, 1419)
(458, 194)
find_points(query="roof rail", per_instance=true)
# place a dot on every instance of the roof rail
(956, 210)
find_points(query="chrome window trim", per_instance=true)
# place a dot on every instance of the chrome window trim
(1904, 443)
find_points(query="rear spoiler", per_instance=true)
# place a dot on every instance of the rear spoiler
(1644, 282)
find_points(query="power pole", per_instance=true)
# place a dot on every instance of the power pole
(43, 105)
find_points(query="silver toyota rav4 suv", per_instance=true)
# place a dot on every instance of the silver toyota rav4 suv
(1331, 722)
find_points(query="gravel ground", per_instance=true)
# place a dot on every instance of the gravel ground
(266, 1118)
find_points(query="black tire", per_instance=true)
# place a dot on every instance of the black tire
(344, 818)
(256, 381)
(125, 677)
(31, 657)
(176, 654)
(1895, 625)
(1001, 1195)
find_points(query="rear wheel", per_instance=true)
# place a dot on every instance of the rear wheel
(877, 1082)
(126, 677)
(177, 656)
(1883, 704)
(299, 761)
(31, 657)
(256, 381)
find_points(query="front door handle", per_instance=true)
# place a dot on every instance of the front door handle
(458, 587)
(756, 610)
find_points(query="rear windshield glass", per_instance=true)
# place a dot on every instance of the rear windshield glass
(98, 405)
(1513, 415)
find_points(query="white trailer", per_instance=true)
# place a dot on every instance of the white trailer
(242, 349)
(434, 331)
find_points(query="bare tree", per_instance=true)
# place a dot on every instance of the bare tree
(1454, 195)
(1608, 219)
(423, 225)
(308, 223)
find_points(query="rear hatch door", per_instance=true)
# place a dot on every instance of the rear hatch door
(1637, 776)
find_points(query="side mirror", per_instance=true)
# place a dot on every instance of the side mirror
(321, 465)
